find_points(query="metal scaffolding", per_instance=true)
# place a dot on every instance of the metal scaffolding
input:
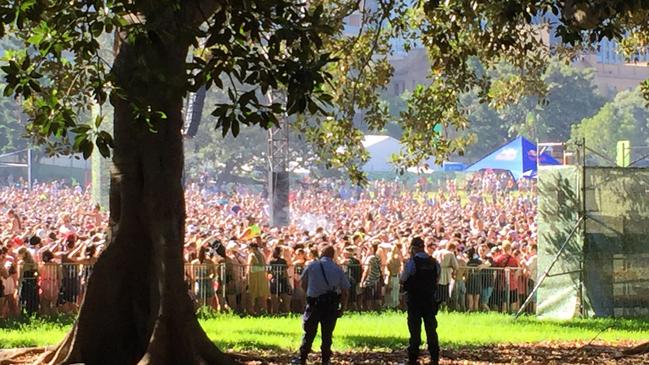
(278, 140)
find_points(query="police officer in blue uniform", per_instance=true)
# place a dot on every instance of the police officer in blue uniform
(419, 280)
(326, 287)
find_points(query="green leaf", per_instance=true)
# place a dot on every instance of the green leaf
(86, 147)
(36, 38)
(225, 125)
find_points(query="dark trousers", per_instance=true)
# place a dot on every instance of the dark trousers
(416, 313)
(442, 293)
(324, 315)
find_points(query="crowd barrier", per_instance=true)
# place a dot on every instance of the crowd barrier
(58, 288)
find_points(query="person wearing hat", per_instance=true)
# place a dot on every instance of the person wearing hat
(326, 288)
(419, 280)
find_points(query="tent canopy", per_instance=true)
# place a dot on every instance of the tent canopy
(381, 149)
(518, 156)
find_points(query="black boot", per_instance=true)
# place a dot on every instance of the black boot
(434, 361)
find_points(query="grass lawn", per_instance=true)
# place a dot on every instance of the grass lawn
(364, 331)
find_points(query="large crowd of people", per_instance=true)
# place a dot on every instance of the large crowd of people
(481, 230)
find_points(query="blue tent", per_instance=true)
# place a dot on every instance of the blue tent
(518, 157)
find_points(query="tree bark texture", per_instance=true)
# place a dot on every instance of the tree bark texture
(137, 309)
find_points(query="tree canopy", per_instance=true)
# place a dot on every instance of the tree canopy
(623, 118)
(61, 70)
(305, 57)
(242, 159)
(271, 59)
(571, 96)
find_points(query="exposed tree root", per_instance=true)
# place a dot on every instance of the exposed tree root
(637, 350)
(23, 356)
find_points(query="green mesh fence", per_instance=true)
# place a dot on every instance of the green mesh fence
(558, 212)
(612, 247)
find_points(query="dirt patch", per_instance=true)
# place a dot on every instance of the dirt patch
(572, 353)
(540, 353)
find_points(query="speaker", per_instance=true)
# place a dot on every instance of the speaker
(278, 199)
(193, 120)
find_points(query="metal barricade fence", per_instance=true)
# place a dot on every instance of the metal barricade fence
(28, 298)
(488, 289)
(226, 285)
(50, 288)
(232, 286)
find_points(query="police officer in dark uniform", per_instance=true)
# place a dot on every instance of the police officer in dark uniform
(419, 280)
(326, 287)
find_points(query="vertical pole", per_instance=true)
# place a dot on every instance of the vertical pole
(583, 227)
(29, 167)
(223, 290)
(538, 157)
(508, 289)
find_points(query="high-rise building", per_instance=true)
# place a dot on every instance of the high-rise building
(613, 73)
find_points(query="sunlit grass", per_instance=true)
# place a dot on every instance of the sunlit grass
(364, 331)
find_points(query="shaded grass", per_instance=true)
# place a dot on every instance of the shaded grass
(364, 331)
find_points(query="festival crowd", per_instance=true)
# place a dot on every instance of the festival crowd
(482, 231)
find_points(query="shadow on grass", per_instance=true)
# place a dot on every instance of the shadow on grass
(602, 324)
(373, 342)
(263, 332)
(396, 343)
(248, 345)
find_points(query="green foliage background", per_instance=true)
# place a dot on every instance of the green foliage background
(623, 118)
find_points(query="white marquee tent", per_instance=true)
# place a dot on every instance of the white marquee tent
(381, 149)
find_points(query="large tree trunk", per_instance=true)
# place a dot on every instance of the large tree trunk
(137, 309)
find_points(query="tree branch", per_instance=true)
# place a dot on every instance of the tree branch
(197, 12)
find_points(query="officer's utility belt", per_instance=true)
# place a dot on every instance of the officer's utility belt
(328, 299)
